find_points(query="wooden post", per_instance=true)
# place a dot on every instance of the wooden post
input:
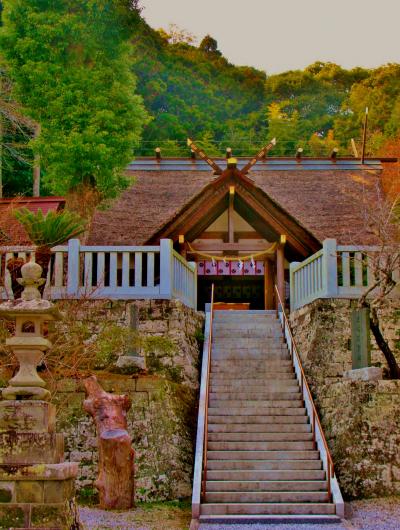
(73, 268)
(193, 266)
(268, 285)
(231, 228)
(329, 268)
(115, 481)
(166, 268)
(293, 287)
(280, 271)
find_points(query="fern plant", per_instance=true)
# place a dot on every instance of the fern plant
(49, 230)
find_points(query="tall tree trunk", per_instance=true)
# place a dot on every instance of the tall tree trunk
(394, 368)
(116, 456)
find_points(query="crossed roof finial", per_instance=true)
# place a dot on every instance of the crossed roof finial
(217, 170)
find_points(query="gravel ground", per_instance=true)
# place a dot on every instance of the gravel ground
(377, 514)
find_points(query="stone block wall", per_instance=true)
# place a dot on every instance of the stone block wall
(360, 419)
(162, 424)
(362, 424)
(164, 388)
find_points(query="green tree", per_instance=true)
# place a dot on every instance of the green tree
(209, 45)
(70, 62)
(284, 128)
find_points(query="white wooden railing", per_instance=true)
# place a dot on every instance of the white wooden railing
(111, 272)
(336, 271)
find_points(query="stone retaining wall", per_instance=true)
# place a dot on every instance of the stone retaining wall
(162, 424)
(361, 419)
(163, 385)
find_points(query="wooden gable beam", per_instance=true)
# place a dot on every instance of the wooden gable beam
(197, 216)
(280, 223)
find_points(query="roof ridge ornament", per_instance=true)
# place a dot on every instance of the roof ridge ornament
(202, 154)
(261, 154)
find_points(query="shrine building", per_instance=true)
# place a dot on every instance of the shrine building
(243, 221)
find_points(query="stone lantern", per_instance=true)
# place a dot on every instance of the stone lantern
(36, 485)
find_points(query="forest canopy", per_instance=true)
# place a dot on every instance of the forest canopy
(167, 85)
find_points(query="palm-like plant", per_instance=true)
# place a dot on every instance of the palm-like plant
(49, 230)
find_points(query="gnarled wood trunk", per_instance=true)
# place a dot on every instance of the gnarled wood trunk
(115, 481)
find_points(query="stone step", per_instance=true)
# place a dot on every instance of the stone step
(267, 496)
(283, 390)
(254, 485)
(247, 403)
(221, 419)
(251, 355)
(242, 351)
(295, 521)
(247, 326)
(247, 342)
(281, 475)
(265, 465)
(307, 508)
(257, 387)
(259, 410)
(272, 454)
(259, 428)
(256, 376)
(221, 333)
(254, 368)
(240, 445)
(259, 436)
(255, 396)
(253, 363)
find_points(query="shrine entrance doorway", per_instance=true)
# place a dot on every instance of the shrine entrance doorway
(232, 290)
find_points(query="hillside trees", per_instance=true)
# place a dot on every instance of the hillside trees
(70, 62)
(380, 92)
(191, 92)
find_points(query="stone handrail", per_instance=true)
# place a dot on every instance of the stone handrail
(111, 272)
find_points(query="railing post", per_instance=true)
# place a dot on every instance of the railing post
(293, 288)
(73, 268)
(166, 268)
(193, 266)
(329, 269)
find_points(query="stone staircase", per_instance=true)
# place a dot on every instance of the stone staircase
(262, 462)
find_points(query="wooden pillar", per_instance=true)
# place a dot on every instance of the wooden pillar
(231, 228)
(182, 246)
(268, 285)
(280, 271)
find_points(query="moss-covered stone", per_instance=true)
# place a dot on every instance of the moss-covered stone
(12, 517)
(361, 419)
(6, 491)
(50, 516)
(29, 491)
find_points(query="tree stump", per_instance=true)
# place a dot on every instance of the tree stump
(115, 481)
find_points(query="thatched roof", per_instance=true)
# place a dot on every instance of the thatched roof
(326, 198)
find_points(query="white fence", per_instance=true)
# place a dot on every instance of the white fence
(336, 271)
(111, 272)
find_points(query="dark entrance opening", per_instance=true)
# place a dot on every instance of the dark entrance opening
(231, 289)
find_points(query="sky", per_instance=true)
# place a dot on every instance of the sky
(280, 35)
